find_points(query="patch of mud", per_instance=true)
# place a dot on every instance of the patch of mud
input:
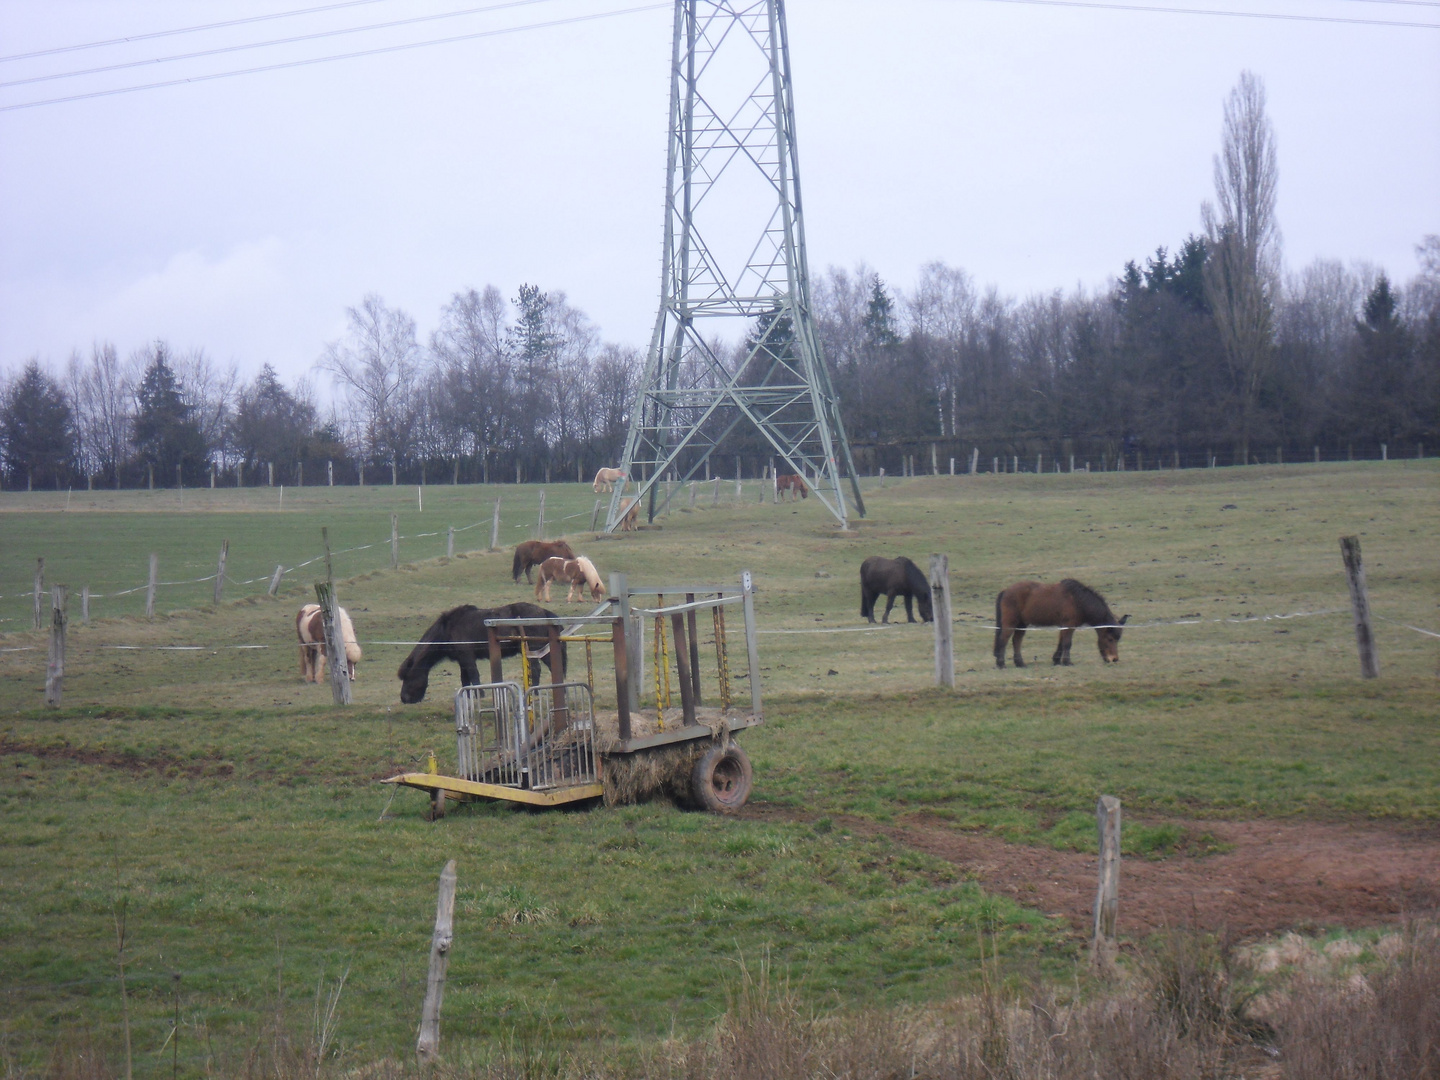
(1275, 876)
(161, 763)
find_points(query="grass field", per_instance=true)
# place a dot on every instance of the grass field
(234, 813)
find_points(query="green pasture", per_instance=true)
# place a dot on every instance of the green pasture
(235, 814)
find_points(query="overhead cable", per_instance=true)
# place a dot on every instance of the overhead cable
(1229, 13)
(339, 56)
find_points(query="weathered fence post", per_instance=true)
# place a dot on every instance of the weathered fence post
(940, 608)
(1107, 892)
(1384, 452)
(55, 667)
(39, 589)
(329, 474)
(994, 465)
(974, 461)
(495, 528)
(752, 646)
(427, 1048)
(1039, 458)
(595, 516)
(692, 494)
(1360, 605)
(620, 590)
(394, 541)
(540, 528)
(269, 474)
(150, 588)
(334, 642)
(715, 501)
(952, 466)
(212, 476)
(85, 604)
(220, 570)
(275, 579)
(934, 464)
(450, 543)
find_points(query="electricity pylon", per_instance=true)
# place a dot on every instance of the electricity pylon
(734, 264)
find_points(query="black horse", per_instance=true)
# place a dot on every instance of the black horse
(893, 577)
(461, 635)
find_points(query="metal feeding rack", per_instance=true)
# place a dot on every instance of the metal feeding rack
(546, 744)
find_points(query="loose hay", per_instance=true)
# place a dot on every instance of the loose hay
(663, 771)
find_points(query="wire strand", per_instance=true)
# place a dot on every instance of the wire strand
(1099, 5)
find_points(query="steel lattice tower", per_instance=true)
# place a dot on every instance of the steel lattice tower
(734, 264)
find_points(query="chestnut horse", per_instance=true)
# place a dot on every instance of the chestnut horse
(1067, 605)
(605, 479)
(575, 573)
(795, 485)
(461, 635)
(534, 552)
(630, 516)
(310, 629)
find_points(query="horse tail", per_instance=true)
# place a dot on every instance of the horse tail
(999, 623)
(518, 567)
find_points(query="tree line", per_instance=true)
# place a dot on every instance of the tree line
(1207, 353)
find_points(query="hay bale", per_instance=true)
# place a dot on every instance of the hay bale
(663, 771)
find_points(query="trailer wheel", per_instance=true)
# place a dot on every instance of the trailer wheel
(437, 804)
(721, 779)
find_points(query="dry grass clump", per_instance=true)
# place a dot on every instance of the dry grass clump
(664, 771)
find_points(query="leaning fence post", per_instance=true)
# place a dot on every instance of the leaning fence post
(150, 588)
(1360, 605)
(220, 570)
(595, 517)
(495, 528)
(55, 667)
(752, 647)
(940, 608)
(427, 1048)
(1107, 892)
(275, 579)
(39, 589)
(334, 642)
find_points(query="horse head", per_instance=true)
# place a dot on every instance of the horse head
(1108, 638)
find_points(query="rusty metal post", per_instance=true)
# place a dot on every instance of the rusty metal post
(694, 649)
(493, 640)
(682, 665)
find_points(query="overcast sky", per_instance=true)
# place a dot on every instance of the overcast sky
(1037, 147)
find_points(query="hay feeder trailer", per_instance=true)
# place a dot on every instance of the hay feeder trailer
(546, 744)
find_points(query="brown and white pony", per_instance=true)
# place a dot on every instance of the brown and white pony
(534, 552)
(574, 572)
(310, 629)
(793, 484)
(1067, 605)
(630, 518)
(605, 479)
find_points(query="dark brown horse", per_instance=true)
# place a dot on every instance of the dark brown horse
(534, 552)
(892, 578)
(1067, 605)
(461, 635)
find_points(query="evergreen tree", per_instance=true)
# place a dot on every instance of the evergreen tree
(1381, 383)
(166, 434)
(37, 429)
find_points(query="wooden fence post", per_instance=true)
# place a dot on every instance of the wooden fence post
(150, 588)
(1107, 892)
(394, 541)
(275, 579)
(39, 589)
(495, 528)
(85, 604)
(715, 501)
(334, 642)
(595, 517)
(752, 647)
(620, 590)
(940, 608)
(55, 667)
(540, 528)
(1360, 605)
(220, 570)
(450, 543)
(692, 494)
(329, 474)
(427, 1048)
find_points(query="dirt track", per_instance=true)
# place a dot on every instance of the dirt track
(1278, 875)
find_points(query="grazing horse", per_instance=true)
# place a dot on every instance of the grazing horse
(605, 479)
(310, 629)
(1067, 605)
(893, 577)
(575, 573)
(460, 634)
(534, 552)
(795, 485)
(630, 516)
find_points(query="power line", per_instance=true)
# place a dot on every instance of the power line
(221, 49)
(1097, 5)
(339, 56)
(194, 29)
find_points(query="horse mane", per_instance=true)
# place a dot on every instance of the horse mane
(439, 633)
(916, 580)
(1091, 604)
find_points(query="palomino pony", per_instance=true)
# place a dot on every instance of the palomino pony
(534, 552)
(630, 516)
(310, 629)
(893, 577)
(575, 573)
(460, 635)
(1067, 605)
(605, 479)
(794, 485)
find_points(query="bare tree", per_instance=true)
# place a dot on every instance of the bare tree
(102, 400)
(1242, 272)
(376, 366)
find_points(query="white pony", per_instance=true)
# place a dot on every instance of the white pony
(605, 479)
(310, 629)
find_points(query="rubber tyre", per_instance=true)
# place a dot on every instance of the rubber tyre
(721, 780)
